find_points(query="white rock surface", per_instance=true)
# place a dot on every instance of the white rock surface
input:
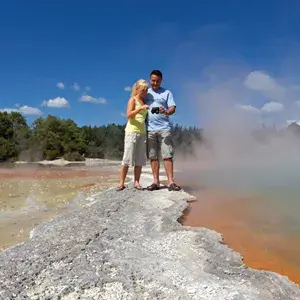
(129, 245)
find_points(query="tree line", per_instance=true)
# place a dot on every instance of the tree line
(51, 137)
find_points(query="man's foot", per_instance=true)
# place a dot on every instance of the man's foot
(174, 187)
(153, 187)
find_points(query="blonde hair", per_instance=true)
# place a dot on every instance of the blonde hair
(140, 85)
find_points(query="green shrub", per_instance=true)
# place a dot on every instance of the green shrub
(51, 154)
(74, 156)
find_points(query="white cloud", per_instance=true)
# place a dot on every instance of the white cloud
(25, 110)
(123, 115)
(289, 122)
(248, 108)
(75, 86)
(8, 110)
(269, 107)
(58, 102)
(87, 88)
(90, 99)
(60, 85)
(260, 81)
(272, 106)
(127, 88)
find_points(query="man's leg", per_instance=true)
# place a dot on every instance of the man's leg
(153, 156)
(137, 176)
(168, 162)
(155, 171)
(167, 150)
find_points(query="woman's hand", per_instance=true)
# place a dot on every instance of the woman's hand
(132, 110)
(145, 106)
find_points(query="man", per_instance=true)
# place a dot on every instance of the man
(159, 130)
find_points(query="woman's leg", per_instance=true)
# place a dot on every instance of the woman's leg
(123, 174)
(140, 159)
(127, 160)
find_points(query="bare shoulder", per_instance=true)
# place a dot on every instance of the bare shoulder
(131, 103)
(131, 99)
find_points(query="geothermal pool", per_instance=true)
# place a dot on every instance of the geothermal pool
(256, 208)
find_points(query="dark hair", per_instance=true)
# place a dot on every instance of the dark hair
(157, 73)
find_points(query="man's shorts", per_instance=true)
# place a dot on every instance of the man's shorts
(134, 149)
(160, 142)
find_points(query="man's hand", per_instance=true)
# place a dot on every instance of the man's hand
(167, 112)
(162, 110)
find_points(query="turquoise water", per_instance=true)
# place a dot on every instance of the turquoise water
(265, 211)
(277, 186)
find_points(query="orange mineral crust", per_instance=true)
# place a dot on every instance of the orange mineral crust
(243, 231)
(51, 174)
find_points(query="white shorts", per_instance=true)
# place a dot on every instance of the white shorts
(134, 149)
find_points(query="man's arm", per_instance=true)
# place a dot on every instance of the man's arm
(170, 111)
(171, 106)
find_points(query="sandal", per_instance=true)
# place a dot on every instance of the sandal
(138, 187)
(174, 187)
(153, 187)
(121, 188)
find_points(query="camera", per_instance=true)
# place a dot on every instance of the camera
(155, 110)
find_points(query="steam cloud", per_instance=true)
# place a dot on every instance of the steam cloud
(231, 99)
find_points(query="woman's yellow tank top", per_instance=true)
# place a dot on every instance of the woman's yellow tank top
(137, 123)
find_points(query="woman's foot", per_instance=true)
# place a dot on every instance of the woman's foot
(138, 187)
(121, 188)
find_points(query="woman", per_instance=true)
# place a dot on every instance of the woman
(135, 135)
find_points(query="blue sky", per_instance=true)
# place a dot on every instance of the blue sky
(213, 54)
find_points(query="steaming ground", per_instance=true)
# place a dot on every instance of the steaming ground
(33, 194)
(129, 245)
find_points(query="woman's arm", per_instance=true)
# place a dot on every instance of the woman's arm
(131, 110)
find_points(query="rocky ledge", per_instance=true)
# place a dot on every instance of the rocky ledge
(129, 245)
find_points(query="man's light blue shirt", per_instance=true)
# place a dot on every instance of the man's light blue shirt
(158, 98)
